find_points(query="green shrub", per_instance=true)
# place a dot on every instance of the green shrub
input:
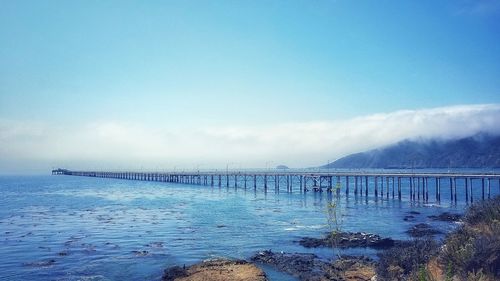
(485, 212)
(400, 261)
(472, 252)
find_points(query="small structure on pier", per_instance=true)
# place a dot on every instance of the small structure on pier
(60, 171)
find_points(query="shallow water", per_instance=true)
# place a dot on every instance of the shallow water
(76, 228)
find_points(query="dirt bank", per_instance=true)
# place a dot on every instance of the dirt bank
(216, 270)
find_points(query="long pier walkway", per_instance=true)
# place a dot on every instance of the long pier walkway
(413, 186)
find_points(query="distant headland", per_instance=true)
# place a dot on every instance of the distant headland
(479, 151)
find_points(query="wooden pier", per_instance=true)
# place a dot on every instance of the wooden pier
(422, 187)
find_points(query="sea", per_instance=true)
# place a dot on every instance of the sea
(79, 228)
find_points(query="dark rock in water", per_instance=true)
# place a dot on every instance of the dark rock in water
(408, 218)
(310, 242)
(422, 230)
(45, 248)
(414, 213)
(299, 265)
(62, 254)
(446, 217)
(44, 263)
(348, 240)
(174, 273)
(310, 267)
(142, 253)
(216, 270)
(155, 245)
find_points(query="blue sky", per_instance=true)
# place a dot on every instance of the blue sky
(186, 65)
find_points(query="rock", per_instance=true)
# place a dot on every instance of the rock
(174, 273)
(155, 245)
(44, 263)
(141, 253)
(310, 242)
(299, 265)
(216, 270)
(422, 230)
(446, 217)
(408, 218)
(348, 240)
(356, 268)
(310, 267)
(414, 213)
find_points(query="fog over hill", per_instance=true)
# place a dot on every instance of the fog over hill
(478, 151)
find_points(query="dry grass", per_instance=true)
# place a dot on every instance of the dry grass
(472, 252)
(404, 260)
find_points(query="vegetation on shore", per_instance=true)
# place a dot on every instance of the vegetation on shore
(471, 252)
(404, 260)
(334, 218)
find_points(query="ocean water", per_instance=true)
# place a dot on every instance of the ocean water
(77, 228)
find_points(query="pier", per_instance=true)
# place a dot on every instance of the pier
(421, 187)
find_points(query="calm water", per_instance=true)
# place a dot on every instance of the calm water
(75, 228)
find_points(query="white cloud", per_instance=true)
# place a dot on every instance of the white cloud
(26, 146)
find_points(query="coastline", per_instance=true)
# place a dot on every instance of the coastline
(421, 258)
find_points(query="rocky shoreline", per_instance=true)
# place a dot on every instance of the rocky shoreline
(422, 230)
(348, 240)
(397, 260)
(447, 217)
(311, 267)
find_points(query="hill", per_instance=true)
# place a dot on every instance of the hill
(480, 151)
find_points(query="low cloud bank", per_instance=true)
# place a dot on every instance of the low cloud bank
(37, 147)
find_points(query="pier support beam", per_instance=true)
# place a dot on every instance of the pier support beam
(489, 188)
(471, 191)
(426, 189)
(399, 188)
(412, 197)
(466, 181)
(366, 186)
(482, 187)
(355, 185)
(347, 185)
